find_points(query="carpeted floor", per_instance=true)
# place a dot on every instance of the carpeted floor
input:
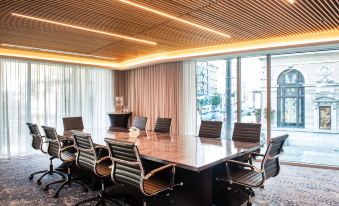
(293, 186)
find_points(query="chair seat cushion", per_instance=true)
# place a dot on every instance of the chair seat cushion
(103, 169)
(67, 156)
(155, 185)
(247, 177)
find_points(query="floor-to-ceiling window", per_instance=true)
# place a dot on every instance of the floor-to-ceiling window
(216, 92)
(42, 93)
(304, 100)
(305, 94)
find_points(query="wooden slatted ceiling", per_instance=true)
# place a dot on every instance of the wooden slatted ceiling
(244, 20)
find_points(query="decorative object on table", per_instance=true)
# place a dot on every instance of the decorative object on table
(119, 104)
(134, 132)
(125, 109)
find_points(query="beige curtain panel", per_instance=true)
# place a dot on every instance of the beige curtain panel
(152, 91)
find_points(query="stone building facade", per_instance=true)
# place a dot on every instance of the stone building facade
(305, 92)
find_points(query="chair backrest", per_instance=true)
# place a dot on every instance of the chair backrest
(246, 132)
(86, 156)
(36, 136)
(54, 144)
(140, 122)
(127, 165)
(119, 120)
(210, 129)
(270, 162)
(71, 123)
(163, 125)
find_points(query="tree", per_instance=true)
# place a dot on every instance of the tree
(215, 100)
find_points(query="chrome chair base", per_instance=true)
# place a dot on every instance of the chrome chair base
(68, 181)
(51, 171)
(101, 198)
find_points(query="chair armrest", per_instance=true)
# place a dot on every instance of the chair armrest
(67, 147)
(51, 140)
(257, 154)
(244, 164)
(124, 161)
(103, 159)
(276, 156)
(82, 150)
(157, 170)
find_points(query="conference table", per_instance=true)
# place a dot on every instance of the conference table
(196, 158)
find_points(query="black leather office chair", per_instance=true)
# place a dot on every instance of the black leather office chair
(163, 125)
(71, 123)
(210, 129)
(128, 169)
(246, 132)
(58, 149)
(140, 122)
(88, 158)
(37, 143)
(250, 176)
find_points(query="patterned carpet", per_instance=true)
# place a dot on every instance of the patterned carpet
(293, 186)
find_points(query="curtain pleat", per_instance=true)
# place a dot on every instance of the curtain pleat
(43, 93)
(153, 91)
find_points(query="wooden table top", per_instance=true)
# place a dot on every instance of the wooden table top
(188, 152)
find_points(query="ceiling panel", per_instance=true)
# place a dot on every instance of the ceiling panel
(242, 20)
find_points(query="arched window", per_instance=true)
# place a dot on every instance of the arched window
(291, 99)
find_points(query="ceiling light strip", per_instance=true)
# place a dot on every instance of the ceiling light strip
(54, 51)
(85, 29)
(173, 17)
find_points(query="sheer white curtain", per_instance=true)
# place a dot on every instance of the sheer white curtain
(43, 93)
(188, 124)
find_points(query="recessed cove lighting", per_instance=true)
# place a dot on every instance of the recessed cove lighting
(53, 51)
(86, 29)
(173, 17)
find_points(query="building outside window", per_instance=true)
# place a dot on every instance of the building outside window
(216, 93)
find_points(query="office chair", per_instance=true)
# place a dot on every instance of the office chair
(250, 176)
(163, 125)
(73, 123)
(210, 129)
(140, 122)
(128, 169)
(37, 144)
(247, 132)
(58, 149)
(88, 158)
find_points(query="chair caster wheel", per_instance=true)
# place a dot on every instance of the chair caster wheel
(86, 190)
(46, 188)
(30, 177)
(56, 195)
(38, 182)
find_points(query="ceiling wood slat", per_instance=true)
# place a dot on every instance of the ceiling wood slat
(244, 21)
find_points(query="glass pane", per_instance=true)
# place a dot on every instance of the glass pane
(290, 111)
(291, 91)
(253, 91)
(216, 93)
(308, 111)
